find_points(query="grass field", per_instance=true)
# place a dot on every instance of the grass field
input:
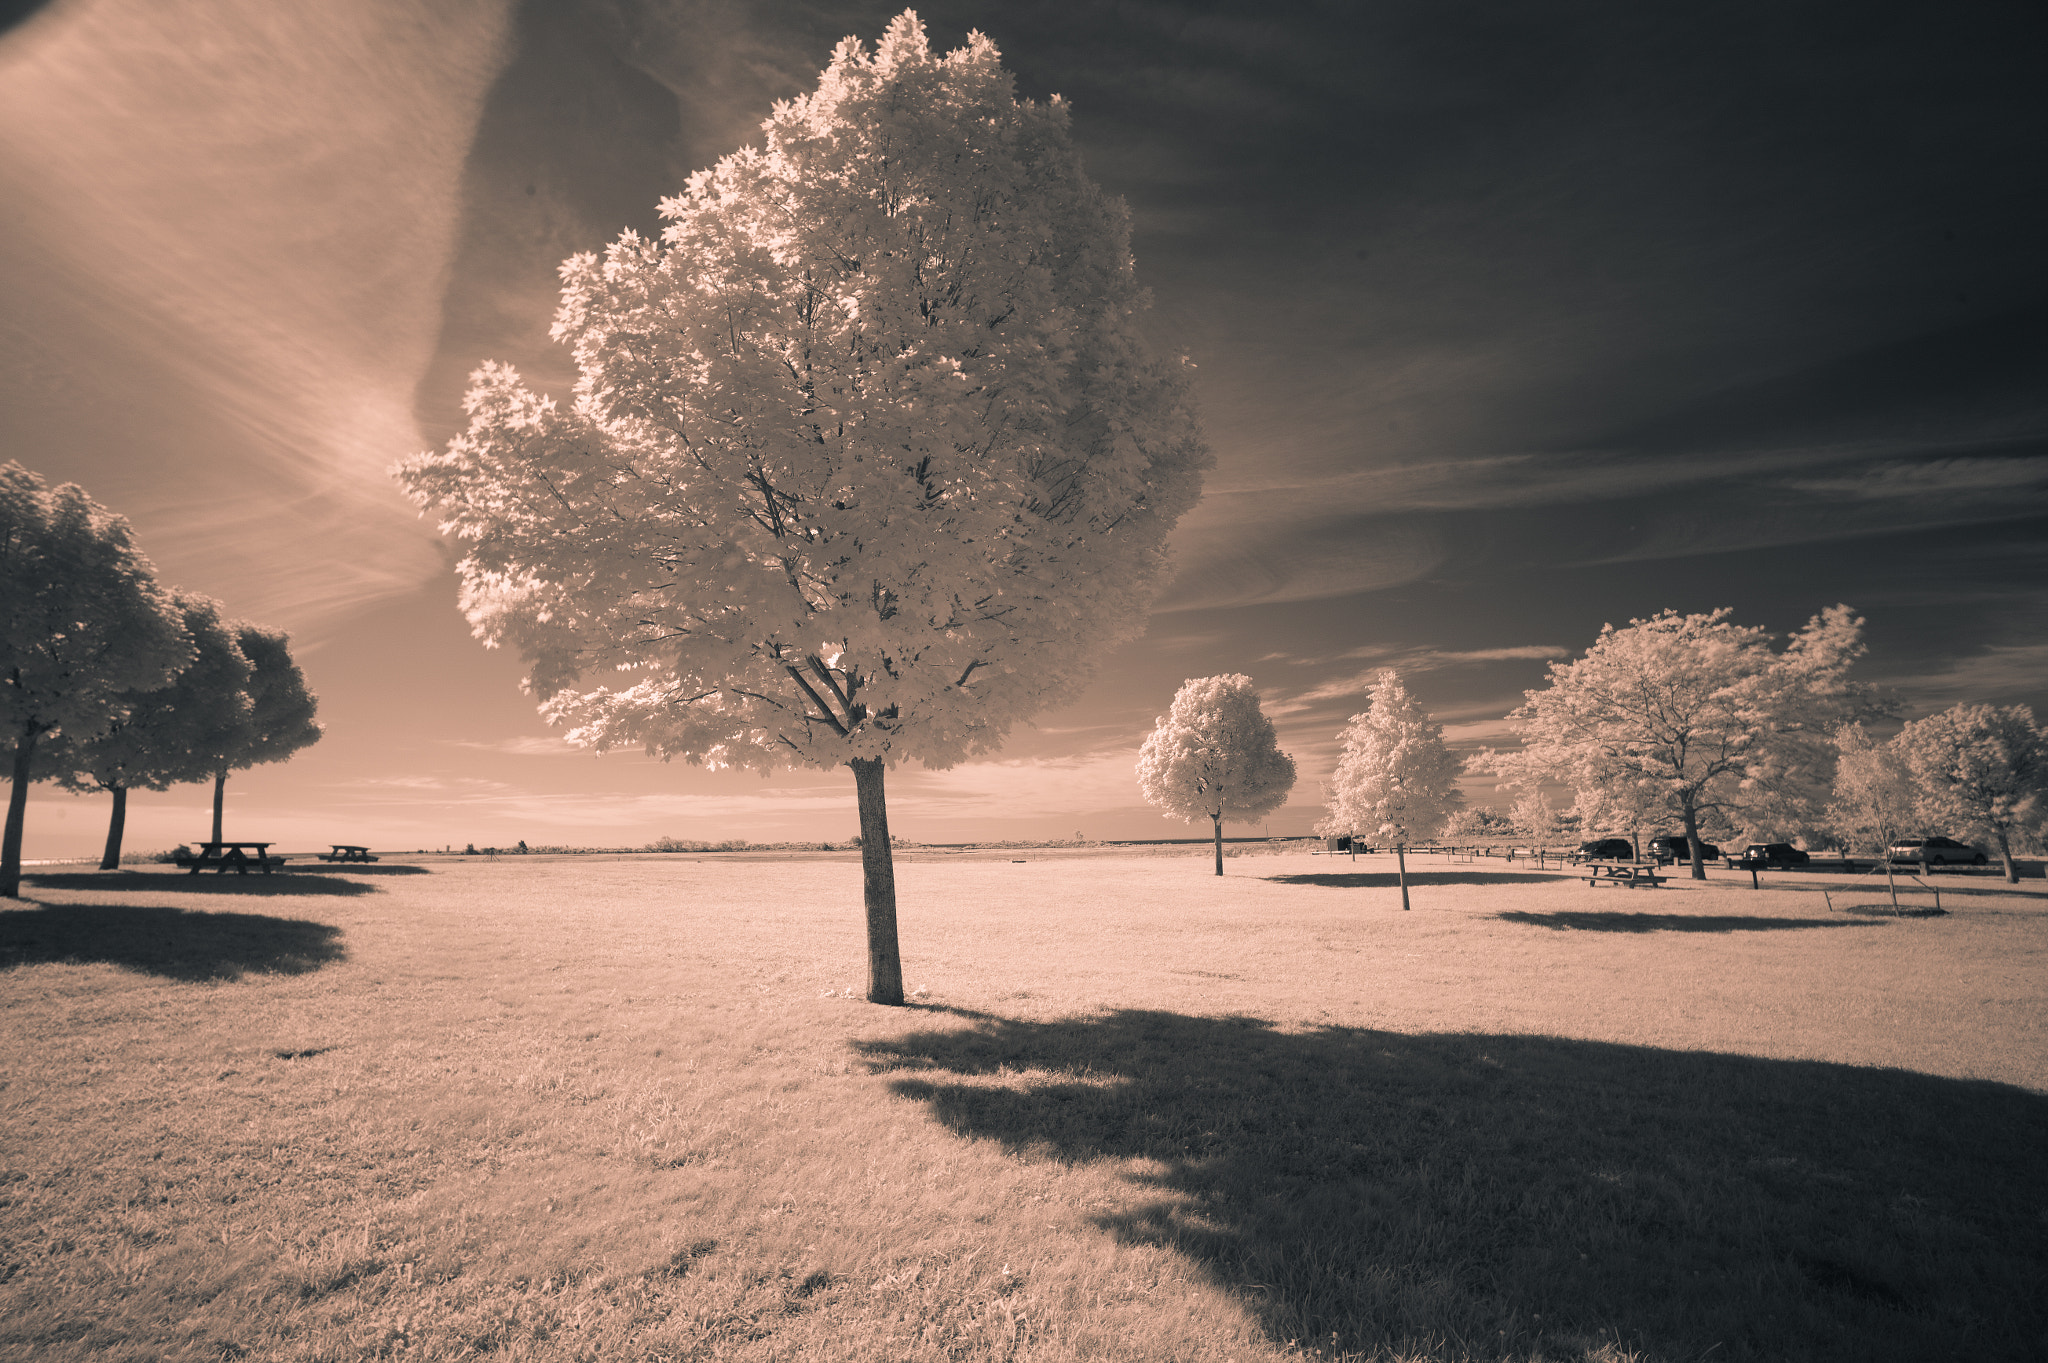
(633, 1108)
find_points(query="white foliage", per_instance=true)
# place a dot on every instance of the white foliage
(867, 458)
(1874, 795)
(1982, 769)
(1214, 755)
(1396, 782)
(1693, 716)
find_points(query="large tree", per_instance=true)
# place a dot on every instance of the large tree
(279, 718)
(82, 620)
(1395, 781)
(1698, 709)
(166, 735)
(867, 459)
(1982, 767)
(1214, 756)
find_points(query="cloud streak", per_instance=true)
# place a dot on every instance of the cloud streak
(249, 208)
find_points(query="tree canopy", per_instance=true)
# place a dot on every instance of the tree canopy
(166, 735)
(867, 457)
(1699, 710)
(279, 718)
(82, 620)
(1395, 781)
(1980, 768)
(1214, 755)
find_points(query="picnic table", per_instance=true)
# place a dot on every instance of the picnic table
(1627, 874)
(347, 851)
(223, 855)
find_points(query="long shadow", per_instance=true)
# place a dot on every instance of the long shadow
(1985, 889)
(206, 882)
(352, 868)
(1516, 1197)
(176, 944)
(1387, 880)
(1596, 921)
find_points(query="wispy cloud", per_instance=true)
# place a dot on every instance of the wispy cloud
(1401, 660)
(1938, 482)
(248, 209)
(530, 745)
(1991, 676)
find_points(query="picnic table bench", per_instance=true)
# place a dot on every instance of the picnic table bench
(346, 851)
(1627, 874)
(222, 856)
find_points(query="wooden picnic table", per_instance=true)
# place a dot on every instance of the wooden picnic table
(1627, 874)
(347, 851)
(223, 855)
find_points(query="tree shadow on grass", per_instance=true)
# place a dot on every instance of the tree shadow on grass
(355, 868)
(1595, 921)
(1389, 880)
(206, 882)
(1514, 1197)
(177, 944)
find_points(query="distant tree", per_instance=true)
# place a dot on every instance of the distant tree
(1983, 768)
(868, 458)
(1396, 781)
(279, 719)
(1536, 819)
(165, 735)
(1214, 755)
(1875, 801)
(1478, 826)
(1698, 709)
(82, 620)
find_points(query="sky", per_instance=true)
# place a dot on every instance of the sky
(1509, 322)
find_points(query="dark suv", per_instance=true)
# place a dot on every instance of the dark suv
(1775, 854)
(1607, 849)
(1672, 845)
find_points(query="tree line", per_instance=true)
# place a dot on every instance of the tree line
(1691, 720)
(111, 681)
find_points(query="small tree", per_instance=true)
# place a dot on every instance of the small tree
(166, 735)
(1982, 767)
(1396, 779)
(1698, 709)
(1536, 818)
(1874, 797)
(279, 717)
(82, 620)
(1214, 755)
(867, 460)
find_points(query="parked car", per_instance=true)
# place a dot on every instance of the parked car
(1606, 849)
(1775, 854)
(1672, 845)
(1935, 852)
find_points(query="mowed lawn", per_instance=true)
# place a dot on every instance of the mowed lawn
(634, 1108)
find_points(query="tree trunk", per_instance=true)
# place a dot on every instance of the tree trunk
(1217, 820)
(1401, 870)
(220, 791)
(112, 860)
(17, 812)
(1692, 842)
(1884, 854)
(2012, 872)
(878, 883)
